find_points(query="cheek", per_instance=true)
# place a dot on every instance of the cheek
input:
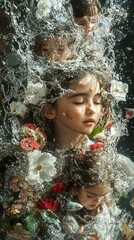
(98, 112)
(66, 54)
(73, 114)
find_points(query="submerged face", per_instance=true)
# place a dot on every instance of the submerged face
(55, 48)
(88, 23)
(91, 197)
(80, 110)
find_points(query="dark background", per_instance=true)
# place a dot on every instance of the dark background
(125, 67)
(124, 53)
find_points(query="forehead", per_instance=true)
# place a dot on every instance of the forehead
(88, 18)
(55, 40)
(99, 189)
(89, 83)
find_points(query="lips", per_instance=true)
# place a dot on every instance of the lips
(89, 121)
(92, 206)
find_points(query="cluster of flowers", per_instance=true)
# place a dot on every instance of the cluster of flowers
(32, 207)
(26, 186)
(41, 164)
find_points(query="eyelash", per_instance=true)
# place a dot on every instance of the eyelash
(78, 103)
(98, 103)
(89, 196)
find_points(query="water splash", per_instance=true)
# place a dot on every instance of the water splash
(22, 67)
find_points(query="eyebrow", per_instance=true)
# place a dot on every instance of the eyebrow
(83, 94)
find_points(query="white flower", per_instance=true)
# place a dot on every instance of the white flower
(69, 224)
(119, 90)
(41, 167)
(18, 108)
(34, 93)
(43, 9)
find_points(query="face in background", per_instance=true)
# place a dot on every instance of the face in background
(79, 111)
(91, 197)
(87, 23)
(55, 48)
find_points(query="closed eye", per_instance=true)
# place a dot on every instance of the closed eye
(45, 49)
(97, 99)
(61, 49)
(93, 21)
(90, 196)
(82, 24)
(78, 103)
(97, 103)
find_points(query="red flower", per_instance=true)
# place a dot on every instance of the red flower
(30, 125)
(47, 203)
(81, 155)
(96, 146)
(29, 144)
(58, 187)
(128, 114)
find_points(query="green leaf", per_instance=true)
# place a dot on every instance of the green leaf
(95, 131)
(122, 194)
(31, 223)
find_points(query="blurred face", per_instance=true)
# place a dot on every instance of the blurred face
(91, 197)
(88, 23)
(80, 110)
(55, 48)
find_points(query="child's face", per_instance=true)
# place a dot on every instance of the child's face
(55, 48)
(88, 23)
(91, 197)
(79, 111)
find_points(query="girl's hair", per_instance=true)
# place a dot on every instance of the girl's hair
(57, 83)
(86, 168)
(83, 8)
(81, 169)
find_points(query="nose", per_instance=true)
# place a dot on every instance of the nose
(90, 108)
(97, 200)
(88, 26)
(54, 56)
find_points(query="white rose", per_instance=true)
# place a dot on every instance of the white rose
(41, 167)
(34, 93)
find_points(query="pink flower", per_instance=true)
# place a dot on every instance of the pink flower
(128, 114)
(30, 125)
(29, 144)
(30, 130)
(96, 146)
(47, 204)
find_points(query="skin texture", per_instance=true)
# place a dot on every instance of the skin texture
(87, 23)
(75, 115)
(55, 48)
(91, 197)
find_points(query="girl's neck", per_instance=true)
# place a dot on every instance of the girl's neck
(69, 141)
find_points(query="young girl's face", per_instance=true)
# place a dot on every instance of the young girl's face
(55, 48)
(91, 197)
(88, 23)
(79, 111)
